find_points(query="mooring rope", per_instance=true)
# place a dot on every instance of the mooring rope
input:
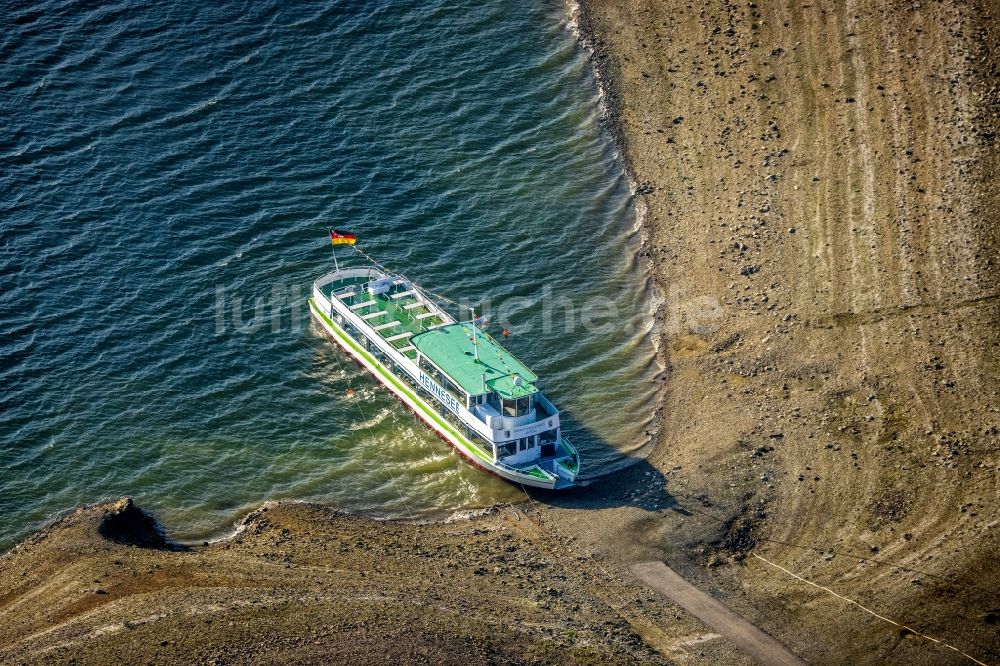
(870, 611)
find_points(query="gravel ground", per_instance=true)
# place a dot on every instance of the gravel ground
(824, 174)
(300, 583)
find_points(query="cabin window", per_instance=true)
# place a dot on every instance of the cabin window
(516, 406)
(522, 444)
(451, 388)
(547, 442)
(480, 443)
(508, 449)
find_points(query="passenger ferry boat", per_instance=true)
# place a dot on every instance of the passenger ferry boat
(453, 375)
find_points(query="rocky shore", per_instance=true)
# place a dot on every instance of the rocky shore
(300, 583)
(825, 173)
(820, 176)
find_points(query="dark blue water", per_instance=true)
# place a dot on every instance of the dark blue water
(167, 177)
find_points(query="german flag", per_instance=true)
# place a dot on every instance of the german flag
(337, 238)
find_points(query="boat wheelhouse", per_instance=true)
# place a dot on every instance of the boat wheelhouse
(469, 389)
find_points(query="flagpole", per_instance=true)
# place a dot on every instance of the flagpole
(475, 334)
(336, 266)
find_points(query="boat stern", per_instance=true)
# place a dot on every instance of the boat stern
(567, 467)
(553, 473)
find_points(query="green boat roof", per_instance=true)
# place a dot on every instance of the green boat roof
(451, 349)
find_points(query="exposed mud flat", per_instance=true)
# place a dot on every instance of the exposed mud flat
(826, 173)
(299, 583)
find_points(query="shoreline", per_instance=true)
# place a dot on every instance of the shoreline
(608, 94)
(781, 432)
(303, 582)
(610, 125)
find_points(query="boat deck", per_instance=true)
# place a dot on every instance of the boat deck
(542, 468)
(396, 315)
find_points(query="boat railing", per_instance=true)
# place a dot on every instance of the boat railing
(548, 407)
(529, 469)
(564, 470)
(346, 273)
(411, 372)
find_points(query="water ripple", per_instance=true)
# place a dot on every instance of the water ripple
(155, 184)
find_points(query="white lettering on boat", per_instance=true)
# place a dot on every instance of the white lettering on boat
(438, 392)
(532, 429)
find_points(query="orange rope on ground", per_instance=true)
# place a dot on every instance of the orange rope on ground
(869, 611)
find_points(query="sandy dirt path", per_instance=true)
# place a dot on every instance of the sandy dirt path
(706, 608)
